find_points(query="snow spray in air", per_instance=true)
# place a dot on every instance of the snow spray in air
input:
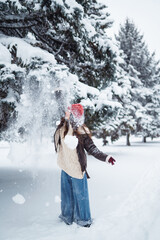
(45, 97)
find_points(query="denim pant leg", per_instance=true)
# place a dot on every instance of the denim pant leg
(82, 215)
(67, 204)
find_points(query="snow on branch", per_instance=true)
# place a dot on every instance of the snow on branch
(25, 51)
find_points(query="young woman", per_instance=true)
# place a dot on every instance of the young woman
(71, 139)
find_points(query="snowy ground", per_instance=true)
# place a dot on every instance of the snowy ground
(125, 198)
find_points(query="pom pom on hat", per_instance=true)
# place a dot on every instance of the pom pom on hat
(77, 110)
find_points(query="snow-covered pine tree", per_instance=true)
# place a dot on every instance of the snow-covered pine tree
(76, 35)
(148, 121)
(90, 56)
(126, 116)
(130, 78)
(11, 81)
(140, 66)
(131, 42)
(97, 68)
(40, 102)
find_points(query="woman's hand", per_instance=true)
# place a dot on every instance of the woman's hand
(67, 115)
(110, 159)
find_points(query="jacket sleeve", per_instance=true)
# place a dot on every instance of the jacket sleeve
(91, 148)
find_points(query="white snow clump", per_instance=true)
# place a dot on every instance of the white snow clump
(71, 141)
(19, 199)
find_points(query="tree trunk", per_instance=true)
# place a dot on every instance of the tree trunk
(128, 140)
(144, 139)
(105, 141)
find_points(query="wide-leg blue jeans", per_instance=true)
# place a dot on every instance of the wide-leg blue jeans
(74, 200)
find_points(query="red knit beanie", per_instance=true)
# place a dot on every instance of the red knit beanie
(77, 110)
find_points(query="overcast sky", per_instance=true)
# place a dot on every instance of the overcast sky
(144, 13)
